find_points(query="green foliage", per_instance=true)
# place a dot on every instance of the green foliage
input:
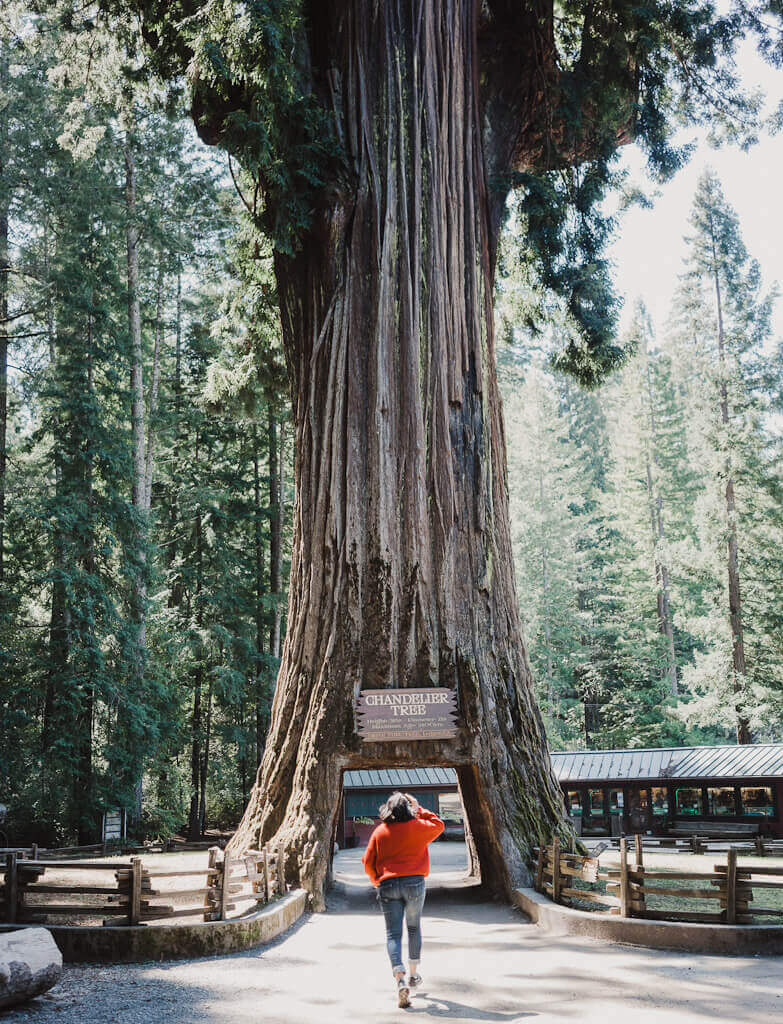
(644, 71)
(259, 76)
(612, 491)
(81, 731)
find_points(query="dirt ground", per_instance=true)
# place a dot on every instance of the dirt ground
(481, 962)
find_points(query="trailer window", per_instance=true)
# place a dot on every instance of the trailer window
(574, 804)
(721, 800)
(757, 801)
(660, 801)
(596, 802)
(688, 801)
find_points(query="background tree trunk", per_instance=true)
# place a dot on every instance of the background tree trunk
(735, 597)
(152, 411)
(5, 271)
(138, 595)
(276, 463)
(663, 595)
(261, 673)
(5, 287)
(401, 566)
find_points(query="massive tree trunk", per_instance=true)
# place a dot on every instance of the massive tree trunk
(401, 566)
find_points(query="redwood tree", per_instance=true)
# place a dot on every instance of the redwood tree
(383, 139)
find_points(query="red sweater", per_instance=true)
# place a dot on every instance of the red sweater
(401, 848)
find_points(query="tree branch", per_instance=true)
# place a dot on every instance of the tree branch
(540, 115)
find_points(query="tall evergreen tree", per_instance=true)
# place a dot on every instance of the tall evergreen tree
(723, 326)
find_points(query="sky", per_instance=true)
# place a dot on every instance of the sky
(649, 246)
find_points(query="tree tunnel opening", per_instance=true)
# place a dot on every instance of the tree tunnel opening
(454, 863)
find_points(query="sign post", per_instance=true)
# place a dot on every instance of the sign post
(386, 716)
(114, 825)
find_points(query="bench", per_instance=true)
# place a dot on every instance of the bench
(715, 829)
(700, 833)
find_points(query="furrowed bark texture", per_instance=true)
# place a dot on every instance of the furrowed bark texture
(401, 567)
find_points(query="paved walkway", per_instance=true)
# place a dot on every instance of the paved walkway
(481, 962)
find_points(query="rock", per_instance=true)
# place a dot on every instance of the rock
(30, 963)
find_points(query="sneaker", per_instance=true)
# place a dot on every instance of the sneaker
(403, 993)
(414, 980)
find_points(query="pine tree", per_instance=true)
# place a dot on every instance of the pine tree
(722, 326)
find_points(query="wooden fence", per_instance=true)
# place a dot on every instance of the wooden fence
(725, 894)
(757, 846)
(132, 898)
(111, 847)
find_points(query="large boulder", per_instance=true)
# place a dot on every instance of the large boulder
(30, 963)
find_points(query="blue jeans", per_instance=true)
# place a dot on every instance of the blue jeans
(402, 897)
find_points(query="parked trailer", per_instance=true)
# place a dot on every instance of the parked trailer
(721, 792)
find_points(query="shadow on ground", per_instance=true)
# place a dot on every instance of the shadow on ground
(482, 962)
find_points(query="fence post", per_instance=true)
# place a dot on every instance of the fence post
(11, 887)
(639, 858)
(212, 883)
(281, 872)
(267, 878)
(624, 893)
(134, 900)
(731, 887)
(638, 850)
(540, 868)
(224, 884)
(556, 869)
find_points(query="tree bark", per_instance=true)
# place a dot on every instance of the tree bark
(194, 830)
(261, 676)
(5, 268)
(5, 285)
(196, 728)
(138, 596)
(204, 763)
(149, 460)
(59, 615)
(732, 566)
(83, 695)
(401, 562)
(175, 597)
(275, 529)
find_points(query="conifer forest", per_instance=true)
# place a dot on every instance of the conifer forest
(148, 451)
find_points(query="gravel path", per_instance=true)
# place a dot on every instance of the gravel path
(482, 962)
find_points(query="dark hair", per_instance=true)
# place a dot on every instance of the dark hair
(396, 809)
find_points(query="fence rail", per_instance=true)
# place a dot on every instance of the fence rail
(698, 843)
(113, 847)
(28, 897)
(727, 894)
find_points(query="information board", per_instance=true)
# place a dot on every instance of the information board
(388, 715)
(114, 824)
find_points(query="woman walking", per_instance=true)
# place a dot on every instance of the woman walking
(397, 862)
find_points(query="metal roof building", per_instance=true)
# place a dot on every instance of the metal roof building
(399, 778)
(752, 761)
(366, 789)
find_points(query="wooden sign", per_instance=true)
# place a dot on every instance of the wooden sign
(114, 824)
(388, 715)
